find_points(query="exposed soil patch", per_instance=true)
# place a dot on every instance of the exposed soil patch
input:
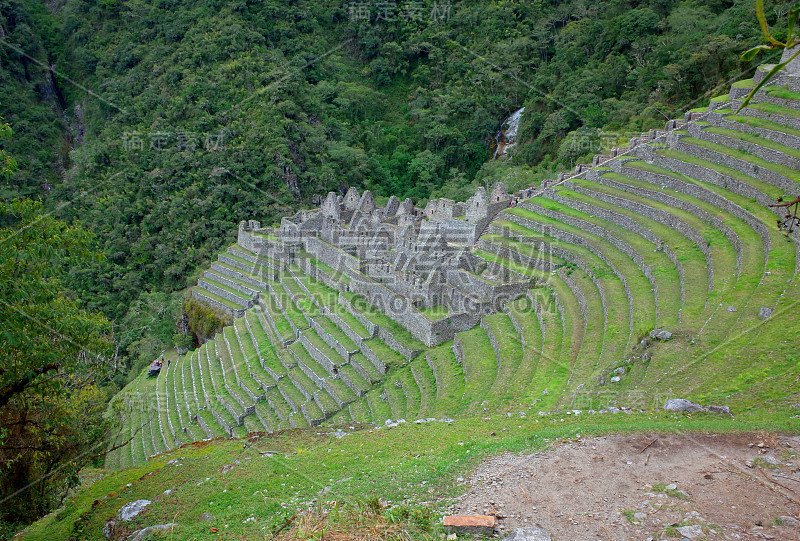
(635, 487)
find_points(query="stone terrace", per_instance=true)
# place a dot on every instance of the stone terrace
(357, 313)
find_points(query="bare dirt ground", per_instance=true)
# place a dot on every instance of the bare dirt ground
(639, 487)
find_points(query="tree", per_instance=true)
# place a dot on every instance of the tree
(52, 354)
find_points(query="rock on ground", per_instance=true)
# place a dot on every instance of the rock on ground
(141, 535)
(681, 404)
(130, 510)
(470, 524)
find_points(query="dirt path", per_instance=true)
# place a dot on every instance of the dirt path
(638, 487)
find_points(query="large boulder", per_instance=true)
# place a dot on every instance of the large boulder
(681, 404)
(660, 334)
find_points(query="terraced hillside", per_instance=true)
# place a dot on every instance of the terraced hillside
(672, 233)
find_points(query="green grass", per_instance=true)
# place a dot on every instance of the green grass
(277, 472)
(782, 92)
(480, 365)
(435, 312)
(775, 109)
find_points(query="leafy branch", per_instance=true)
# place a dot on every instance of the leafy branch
(791, 41)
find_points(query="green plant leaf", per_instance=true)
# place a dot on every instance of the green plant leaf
(751, 53)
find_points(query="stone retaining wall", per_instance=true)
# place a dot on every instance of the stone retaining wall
(373, 358)
(226, 281)
(718, 120)
(235, 312)
(720, 202)
(224, 293)
(766, 153)
(628, 223)
(339, 322)
(372, 329)
(331, 341)
(767, 175)
(317, 355)
(621, 245)
(571, 257)
(493, 341)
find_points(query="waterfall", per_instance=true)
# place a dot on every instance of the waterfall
(506, 138)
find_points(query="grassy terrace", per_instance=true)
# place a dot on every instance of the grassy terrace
(523, 313)
(411, 392)
(548, 366)
(265, 346)
(782, 92)
(348, 318)
(426, 383)
(480, 365)
(781, 254)
(244, 298)
(274, 313)
(774, 109)
(449, 379)
(618, 331)
(240, 364)
(251, 356)
(324, 295)
(317, 341)
(289, 307)
(722, 252)
(759, 123)
(663, 269)
(691, 258)
(219, 277)
(330, 271)
(301, 298)
(355, 378)
(435, 312)
(525, 249)
(758, 184)
(240, 270)
(368, 367)
(259, 257)
(756, 140)
(384, 352)
(218, 358)
(644, 302)
(396, 400)
(744, 156)
(336, 333)
(222, 300)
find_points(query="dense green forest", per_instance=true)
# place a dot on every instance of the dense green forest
(159, 124)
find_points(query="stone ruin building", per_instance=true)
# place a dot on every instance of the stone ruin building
(402, 259)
